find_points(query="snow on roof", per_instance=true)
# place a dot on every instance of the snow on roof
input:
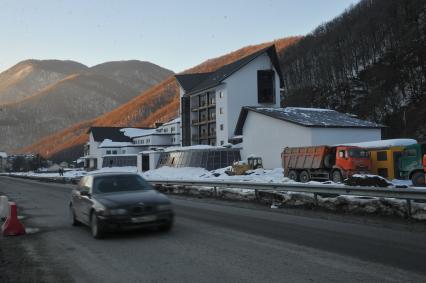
(307, 117)
(199, 146)
(110, 143)
(134, 132)
(384, 143)
(176, 120)
(3, 154)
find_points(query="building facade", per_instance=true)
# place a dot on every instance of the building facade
(116, 147)
(3, 161)
(266, 132)
(211, 102)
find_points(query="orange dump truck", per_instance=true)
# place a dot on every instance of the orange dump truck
(321, 163)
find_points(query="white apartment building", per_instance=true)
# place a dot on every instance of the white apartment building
(211, 102)
(115, 146)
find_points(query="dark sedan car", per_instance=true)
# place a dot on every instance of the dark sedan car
(112, 201)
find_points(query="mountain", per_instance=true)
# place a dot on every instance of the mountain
(43, 97)
(27, 78)
(158, 104)
(134, 74)
(369, 61)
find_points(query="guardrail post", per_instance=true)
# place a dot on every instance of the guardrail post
(256, 195)
(316, 199)
(409, 208)
(215, 192)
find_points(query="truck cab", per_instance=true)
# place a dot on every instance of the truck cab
(352, 160)
(411, 164)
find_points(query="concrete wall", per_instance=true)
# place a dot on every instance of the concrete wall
(95, 151)
(266, 137)
(330, 136)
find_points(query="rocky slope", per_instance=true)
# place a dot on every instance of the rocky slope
(42, 97)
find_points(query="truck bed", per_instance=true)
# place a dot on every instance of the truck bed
(310, 157)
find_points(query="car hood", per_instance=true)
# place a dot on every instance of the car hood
(124, 199)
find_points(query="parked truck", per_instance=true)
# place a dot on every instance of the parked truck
(411, 164)
(322, 163)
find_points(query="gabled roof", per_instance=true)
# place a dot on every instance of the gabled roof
(190, 81)
(111, 133)
(307, 117)
(193, 83)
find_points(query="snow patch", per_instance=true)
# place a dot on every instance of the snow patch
(383, 143)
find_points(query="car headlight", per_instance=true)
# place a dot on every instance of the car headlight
(164, 207)
(119, 211)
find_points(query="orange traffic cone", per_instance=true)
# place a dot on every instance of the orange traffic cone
(12, 226)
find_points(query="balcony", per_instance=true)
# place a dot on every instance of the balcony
(203, 105)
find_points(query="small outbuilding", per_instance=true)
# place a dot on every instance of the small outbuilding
(267, 131)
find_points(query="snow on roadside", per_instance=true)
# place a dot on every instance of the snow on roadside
(346, 203)
(191, 173)
(125, 169)
(67, 174)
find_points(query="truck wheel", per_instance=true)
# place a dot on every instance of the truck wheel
(292, 175)
(337, 177)
(418, 179)
(304, 177)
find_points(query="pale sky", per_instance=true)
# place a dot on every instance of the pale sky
(173, 34)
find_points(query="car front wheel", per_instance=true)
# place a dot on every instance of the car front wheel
(96, 227)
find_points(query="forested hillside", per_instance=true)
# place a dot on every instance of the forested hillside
(158, 104)
(369, 61)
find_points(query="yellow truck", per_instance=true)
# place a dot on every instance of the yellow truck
(385, 161)
(385, 156)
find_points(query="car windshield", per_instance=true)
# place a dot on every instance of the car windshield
(119, 183)
(358, 153)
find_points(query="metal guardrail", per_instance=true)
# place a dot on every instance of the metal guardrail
(407, 194)
(399, 193)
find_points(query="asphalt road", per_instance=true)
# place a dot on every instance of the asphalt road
(212, 241)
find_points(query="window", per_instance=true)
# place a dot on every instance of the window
(221, 94)
(148, 141)
(410, 153)
(265, 86)
(382, 172)
(172, 129)
(166, 130)
(382, 156)
(114, 152)
(142, 141)
(222, 142)
(221, 110)
(108, 152)
(221, 127)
